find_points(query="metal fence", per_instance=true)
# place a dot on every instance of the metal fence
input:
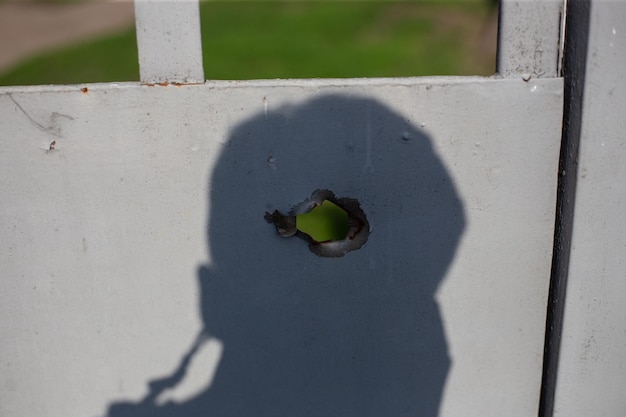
(139, 277)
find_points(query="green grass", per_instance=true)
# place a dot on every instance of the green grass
(339, 39)
(113, 58)
(326, 222)
(253, 40)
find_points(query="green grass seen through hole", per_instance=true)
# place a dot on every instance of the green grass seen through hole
(325, 222)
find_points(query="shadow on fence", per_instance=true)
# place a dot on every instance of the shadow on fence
(307, 336)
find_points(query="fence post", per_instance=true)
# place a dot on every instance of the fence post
(530, 38)
(169, 41)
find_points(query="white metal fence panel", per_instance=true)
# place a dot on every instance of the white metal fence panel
(102, 237)
(592, 369)
(133, 219)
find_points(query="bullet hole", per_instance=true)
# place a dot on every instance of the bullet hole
(331, 226)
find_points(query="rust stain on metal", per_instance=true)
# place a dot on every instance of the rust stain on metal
(166, 84)
(161, 84)
(85, 90)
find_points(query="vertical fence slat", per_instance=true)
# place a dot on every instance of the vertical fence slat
(169, 41)
(591, 376)
(529, 38)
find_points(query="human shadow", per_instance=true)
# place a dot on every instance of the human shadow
(359, 335)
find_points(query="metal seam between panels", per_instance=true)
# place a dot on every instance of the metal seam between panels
(574, 67)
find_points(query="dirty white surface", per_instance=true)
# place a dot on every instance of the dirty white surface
(102, 237)
(169, 41)
(529, 35)
(592, 372)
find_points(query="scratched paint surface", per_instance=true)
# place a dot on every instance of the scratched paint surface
(592, 376)
(103, 234)
(529, 33)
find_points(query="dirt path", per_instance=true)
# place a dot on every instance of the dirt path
(29, 28)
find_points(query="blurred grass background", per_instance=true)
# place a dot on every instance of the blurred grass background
(299, 39)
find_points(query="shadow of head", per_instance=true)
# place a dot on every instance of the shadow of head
(302, 335)
(357, 335)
